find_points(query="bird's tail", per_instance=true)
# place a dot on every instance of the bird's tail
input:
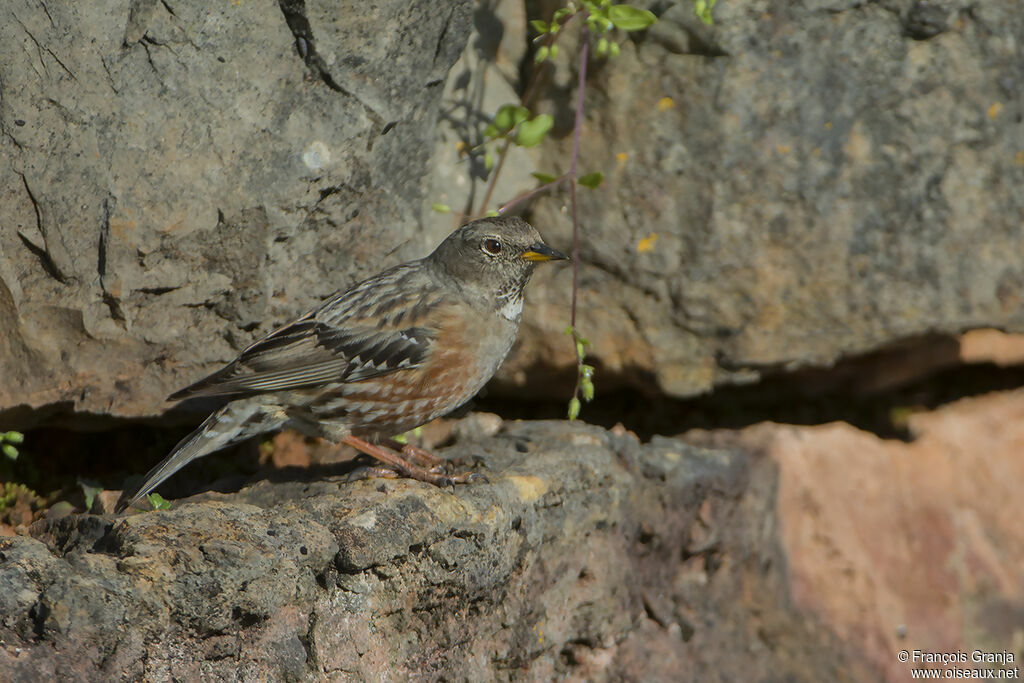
(236, 421)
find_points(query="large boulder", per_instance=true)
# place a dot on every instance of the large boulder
(178, 178)
(797, 183)
(794, 184)
(801, 553)
(914, 546)
(588, 555)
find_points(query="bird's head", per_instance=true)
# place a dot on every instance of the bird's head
(496, 255)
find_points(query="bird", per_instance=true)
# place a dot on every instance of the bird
(378, 359)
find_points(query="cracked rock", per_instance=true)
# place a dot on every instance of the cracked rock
(586, 556)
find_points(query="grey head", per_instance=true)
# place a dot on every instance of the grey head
(492, 258)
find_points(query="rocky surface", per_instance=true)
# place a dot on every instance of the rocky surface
(800, 553)
(793, 185)
(903, 546)
(177, 178)
(798, 183)
(588, 555)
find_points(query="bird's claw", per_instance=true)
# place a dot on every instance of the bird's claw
(464, 478)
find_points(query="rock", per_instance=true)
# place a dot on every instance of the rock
(901, 546)
(588, 555)
(179, 180)
(792, 185)
(785, 188)
(992, 346)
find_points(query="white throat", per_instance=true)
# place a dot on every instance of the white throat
(512, 308)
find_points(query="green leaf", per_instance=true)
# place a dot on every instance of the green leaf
(598, 23)
(554, 51)
(400, 438)
(613, 49)
(559, 14)
(13, 437)
(539, 26)
(503, 117)
(574, 408)
(492, 214)
(587, 389)
(10, 451)
(531, 132)
(90, 490)
(491, 131)
(545, 177)
(602, 47)
(702, 8)
(488, 160)
(440, 208)
(629, 18)
(591, 180)
(542, 54)
(508, 116)
(158, 502)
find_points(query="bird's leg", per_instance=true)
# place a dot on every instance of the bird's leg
(434, 463)
(407, 469)
(422, 457)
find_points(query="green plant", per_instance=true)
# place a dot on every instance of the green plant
(513, 124)
(11, 492)
(158, 502)
(702, 8)
(90, 490)
(404, 438)
(602, 23)
(10, 441)
(14, 465)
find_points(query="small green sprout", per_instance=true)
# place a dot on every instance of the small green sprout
(158, 502)
(90, 490)
(9, 440)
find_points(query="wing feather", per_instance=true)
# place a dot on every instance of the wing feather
(332, 343)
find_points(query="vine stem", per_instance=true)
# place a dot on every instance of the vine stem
(526, 195)
(577, 128)
(494, 179)
(525, 101)
(571, 176)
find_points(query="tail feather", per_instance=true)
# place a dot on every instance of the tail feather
(234, 422)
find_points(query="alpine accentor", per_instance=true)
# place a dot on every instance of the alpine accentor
(383, 357)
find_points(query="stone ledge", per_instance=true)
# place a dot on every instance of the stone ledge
(588, 554)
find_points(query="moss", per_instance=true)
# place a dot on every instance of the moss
(16, 500)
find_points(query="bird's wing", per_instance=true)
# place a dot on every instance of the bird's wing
(350, 337)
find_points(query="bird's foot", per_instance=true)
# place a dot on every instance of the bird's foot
(425, 459)
(434, 470)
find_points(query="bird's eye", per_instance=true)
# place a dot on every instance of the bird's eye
(492, 247)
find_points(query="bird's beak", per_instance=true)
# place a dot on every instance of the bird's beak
(542, 252)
